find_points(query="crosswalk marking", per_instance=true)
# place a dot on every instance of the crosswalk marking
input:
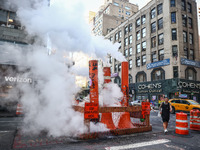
(137, 145)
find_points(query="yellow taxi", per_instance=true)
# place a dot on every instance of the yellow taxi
(183, 105)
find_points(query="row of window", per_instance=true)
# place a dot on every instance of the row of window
(160, 25)
(159, 74)
(159, 11)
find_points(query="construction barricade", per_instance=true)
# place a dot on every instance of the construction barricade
(19, 110)
(194, 119)
(181, 124)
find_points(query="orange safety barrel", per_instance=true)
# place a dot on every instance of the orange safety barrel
(181, 124)
(19, 110)
(106, 118)
(194, 120)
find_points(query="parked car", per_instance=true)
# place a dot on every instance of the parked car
(184, 105)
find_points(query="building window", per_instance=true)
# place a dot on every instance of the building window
(191, 38)
(186, 52)
(158, 74)
(153, 13)
(190, 23)
(119, 10)
(184, 20)
(143, 18)
(125, 41)
(130, 51)
(191, 54)
(153, 27)
(126, 7)
(190, 73)
(138, 22)
(153, 42)
(141, 77)
(120, 34)
(143, 32)
(174, 51)
(111, 38)
(189, 8)
(130, 78)
(184, 36)
(119, 67)
(183, 5)
(138, 35)
(130, 64)
(144, 46)
(116, 4)
(130, 27)
(126, 30)
(174, 34)
(116, 36)
(128, 13)
(173, 17)
(144, 60)
(138, 62)
(126, 53)
(130, 39)
(161, 54)
(160, 23)
(160, 39)
(115, 67)
(172, 3)
(138, 48)
(153, 57)
(120, 45)
(159, 9)
(175, 71)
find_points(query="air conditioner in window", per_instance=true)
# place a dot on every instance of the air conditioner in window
(185, 16)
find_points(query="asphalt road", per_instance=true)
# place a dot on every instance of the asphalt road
(153, 140)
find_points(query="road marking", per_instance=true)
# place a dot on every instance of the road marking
(5, 131)
(137, 145)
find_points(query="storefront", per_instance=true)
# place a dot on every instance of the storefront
(173, 88)
(11, 78)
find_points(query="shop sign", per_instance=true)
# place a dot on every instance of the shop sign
(149, 88)
(158, 64)
(182, 84)
(191, 91)
(91, 111)
(18, 79)
(190, 62)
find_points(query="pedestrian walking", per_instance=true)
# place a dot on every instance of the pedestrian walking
(165, 109)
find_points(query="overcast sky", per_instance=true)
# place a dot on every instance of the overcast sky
(93, 5)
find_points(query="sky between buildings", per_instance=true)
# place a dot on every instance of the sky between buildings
(93, 5)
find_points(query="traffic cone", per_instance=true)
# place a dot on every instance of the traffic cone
(106, 119)
(125, 121)
(19, 109)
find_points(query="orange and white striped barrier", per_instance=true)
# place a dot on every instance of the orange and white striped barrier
(194, 120)
(181, 124)
(19, 110)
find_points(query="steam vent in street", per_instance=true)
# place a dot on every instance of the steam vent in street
(99, 74)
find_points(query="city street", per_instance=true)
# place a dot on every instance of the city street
(155, 139)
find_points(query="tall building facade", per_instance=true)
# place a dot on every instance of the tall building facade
(161, 44)
(11, 34)
(111, 15)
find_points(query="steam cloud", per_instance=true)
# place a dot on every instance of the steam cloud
(48, 105)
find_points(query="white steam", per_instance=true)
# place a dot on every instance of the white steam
(48, 101)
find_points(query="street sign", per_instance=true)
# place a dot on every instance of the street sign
(91, 111)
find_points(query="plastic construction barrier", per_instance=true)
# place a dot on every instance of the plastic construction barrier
(181, 124)
(194, 120)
